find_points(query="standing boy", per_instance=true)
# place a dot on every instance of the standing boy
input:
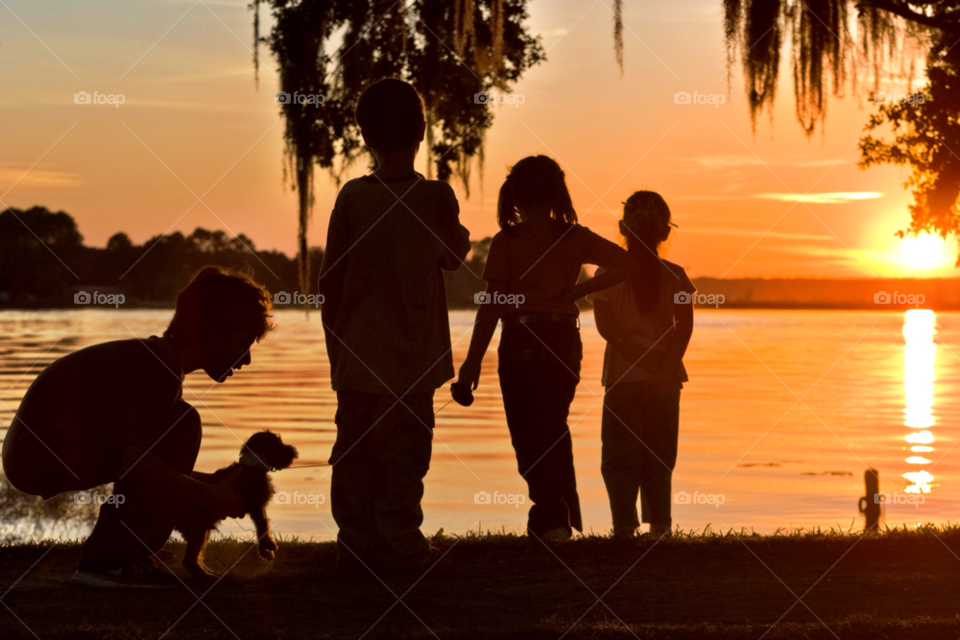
(387, 333)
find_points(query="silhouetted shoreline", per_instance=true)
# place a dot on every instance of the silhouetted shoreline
(890, 584)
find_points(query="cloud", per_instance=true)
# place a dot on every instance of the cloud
(37, 177)
(839, 197)
(735, 161)
(757, 233)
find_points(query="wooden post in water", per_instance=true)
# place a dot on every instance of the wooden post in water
(870, 503)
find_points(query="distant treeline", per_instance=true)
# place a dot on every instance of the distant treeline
(44, 263)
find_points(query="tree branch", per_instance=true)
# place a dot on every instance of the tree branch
(906, 12)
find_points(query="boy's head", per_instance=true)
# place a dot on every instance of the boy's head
(390, 115)
(219, 316)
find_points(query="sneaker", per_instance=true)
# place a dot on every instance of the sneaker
(135, 575)
(557, 534)
(661, 531)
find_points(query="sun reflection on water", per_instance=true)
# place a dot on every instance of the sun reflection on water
(919, 357)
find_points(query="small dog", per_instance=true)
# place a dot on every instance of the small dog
(262, 453)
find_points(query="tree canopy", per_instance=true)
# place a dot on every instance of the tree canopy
(837, 44)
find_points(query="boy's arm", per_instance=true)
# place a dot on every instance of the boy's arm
(149, 469)
(333, 270)
(455, 237)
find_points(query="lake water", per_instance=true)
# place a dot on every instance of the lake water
(783, 413)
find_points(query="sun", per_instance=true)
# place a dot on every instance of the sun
(925, 251)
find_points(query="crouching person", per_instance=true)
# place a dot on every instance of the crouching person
(113, 412)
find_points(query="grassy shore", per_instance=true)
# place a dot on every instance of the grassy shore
(895, 584)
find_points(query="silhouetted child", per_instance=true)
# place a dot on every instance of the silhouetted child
(647, 322)
(113, 412)
(537, 258)
(387, 333)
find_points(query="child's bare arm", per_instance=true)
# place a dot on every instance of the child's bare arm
(483, 330)
(621, 267)
(147, 468)
(678, 339)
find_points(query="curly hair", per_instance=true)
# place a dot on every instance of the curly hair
(219, 300)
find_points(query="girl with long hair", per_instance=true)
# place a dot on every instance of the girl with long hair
(532, 273)
(647, 322)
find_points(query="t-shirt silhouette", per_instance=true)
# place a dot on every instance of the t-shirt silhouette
(647, 330)
(385, 307)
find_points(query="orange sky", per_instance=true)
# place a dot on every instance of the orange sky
(193, 126)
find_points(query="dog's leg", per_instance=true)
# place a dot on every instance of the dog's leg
(193, 558)
(267, 546)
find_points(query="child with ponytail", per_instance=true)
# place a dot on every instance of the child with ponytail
(532, 272)
(647, 322)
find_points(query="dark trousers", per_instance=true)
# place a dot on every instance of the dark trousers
(48, 459)
(380, 458)
(539, 371)
(639, 453)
